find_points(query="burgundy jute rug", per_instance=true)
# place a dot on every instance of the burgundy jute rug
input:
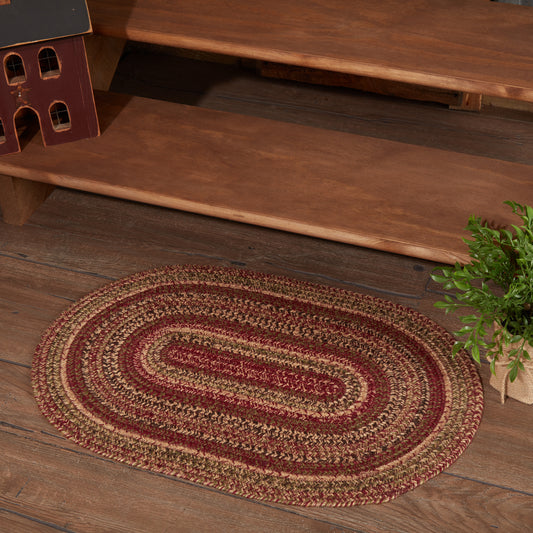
(261, 386)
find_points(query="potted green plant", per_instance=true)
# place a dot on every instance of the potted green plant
(497, 284)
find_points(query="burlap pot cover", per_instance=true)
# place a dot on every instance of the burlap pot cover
(521, 388)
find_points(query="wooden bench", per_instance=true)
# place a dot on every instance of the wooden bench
(360, 190)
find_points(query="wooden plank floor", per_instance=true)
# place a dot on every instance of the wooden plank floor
(77, 241)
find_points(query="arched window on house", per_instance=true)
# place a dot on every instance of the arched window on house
(49, 63)
(14, 68)
(60, 116)
(2, 132)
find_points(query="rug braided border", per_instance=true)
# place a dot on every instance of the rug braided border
(259, 385)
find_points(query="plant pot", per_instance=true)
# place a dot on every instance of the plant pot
(521, 388)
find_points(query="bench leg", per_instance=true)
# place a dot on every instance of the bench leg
(103, 55)
(19, 198)
(469, 102)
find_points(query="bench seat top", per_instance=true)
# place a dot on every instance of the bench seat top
(474, 46)
(328, 184)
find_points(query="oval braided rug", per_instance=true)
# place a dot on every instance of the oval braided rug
(258, 385)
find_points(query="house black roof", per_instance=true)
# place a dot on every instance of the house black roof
(28, 21)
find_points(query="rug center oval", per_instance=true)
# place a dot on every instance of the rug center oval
(232, 362)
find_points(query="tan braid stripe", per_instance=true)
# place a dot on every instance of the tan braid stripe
(259, 385)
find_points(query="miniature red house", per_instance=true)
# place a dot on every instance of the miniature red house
(43, 68)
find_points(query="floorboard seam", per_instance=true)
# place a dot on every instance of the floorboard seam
(8, 361)
(351, 283)
(37, 520)
(59, 267)
(503, 487)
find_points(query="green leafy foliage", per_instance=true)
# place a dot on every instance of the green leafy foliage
(497, 285)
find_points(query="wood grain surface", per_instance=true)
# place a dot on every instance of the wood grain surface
(474, 46)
